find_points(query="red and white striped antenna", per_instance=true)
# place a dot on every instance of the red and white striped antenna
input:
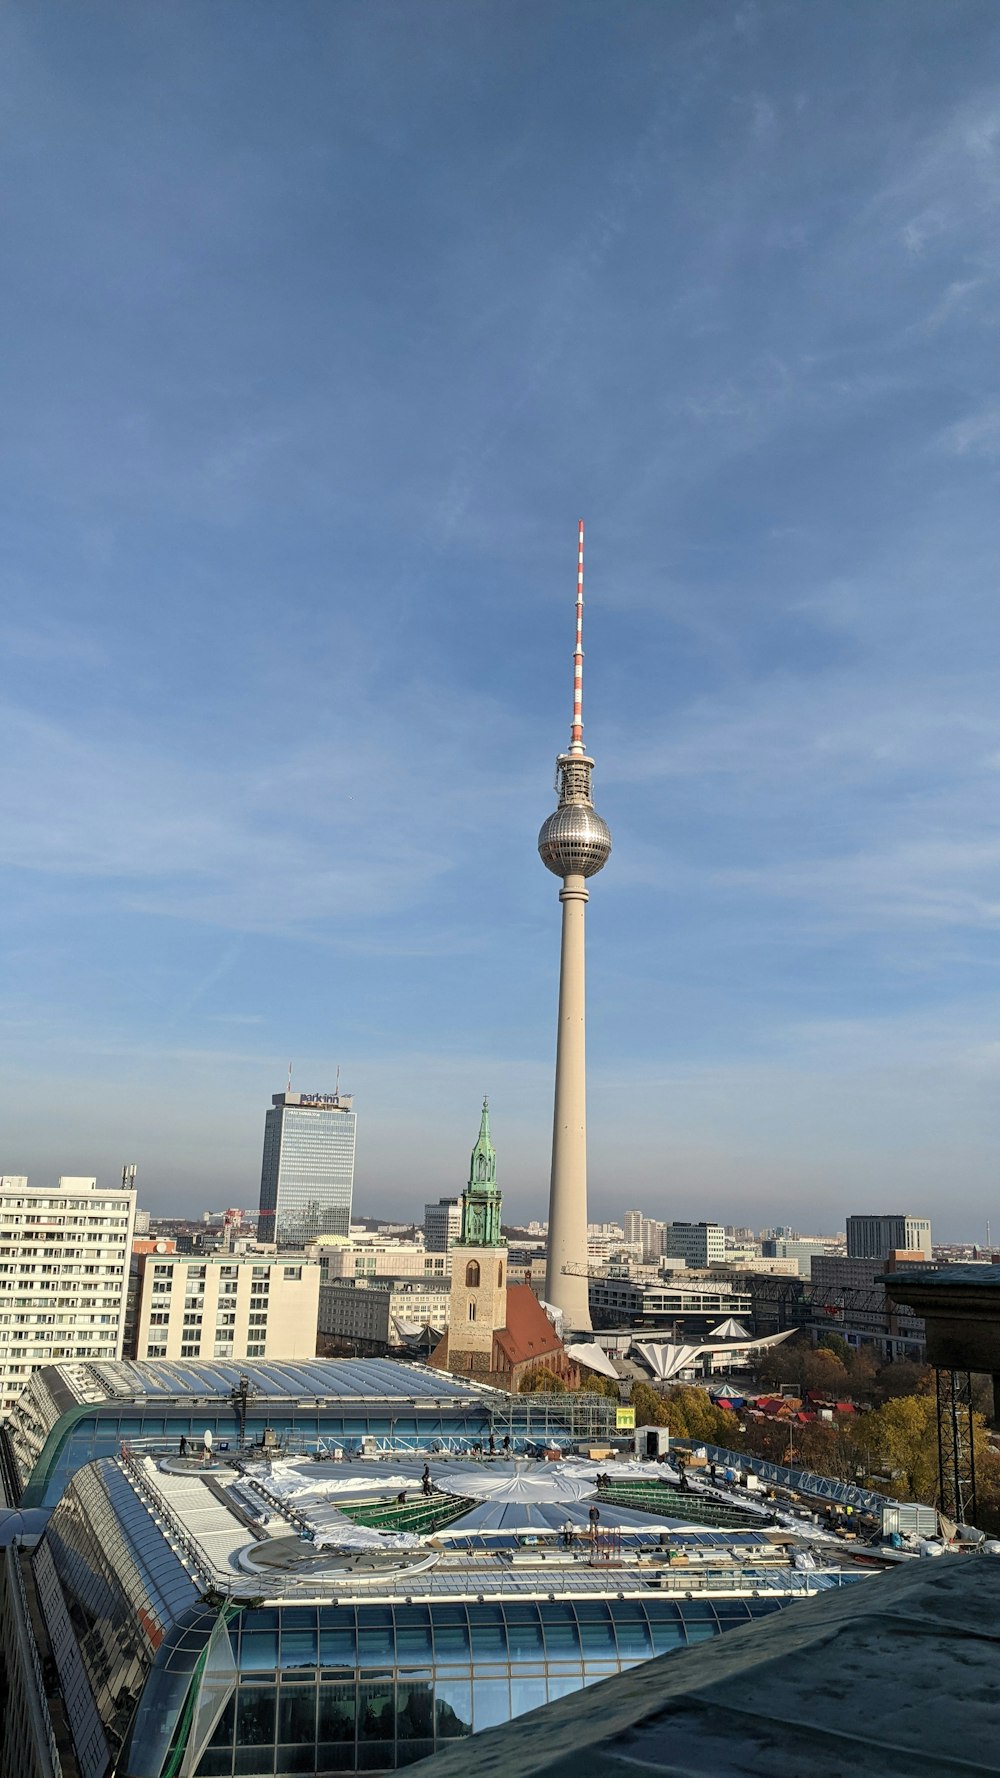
(576, 731)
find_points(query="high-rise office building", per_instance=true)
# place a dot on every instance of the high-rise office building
(64, 1257)
(574, 844)
(875, 1237)
(307, 1177)
(442, 1224)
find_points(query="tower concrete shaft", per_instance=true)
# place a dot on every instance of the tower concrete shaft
(568, 1290)
(574, 844)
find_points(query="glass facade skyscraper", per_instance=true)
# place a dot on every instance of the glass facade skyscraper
(307, 1177)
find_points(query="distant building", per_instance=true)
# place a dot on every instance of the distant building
(682, 1309)
(374, 1316)
(64, 1257)
(142, 1222)
(442, 1224)
(224, 1306)
(801, 1251)
(307, 1176)
(875, 1237)
(653, 1238)
(696, 1243)
(376, 1256)
(847, 1299)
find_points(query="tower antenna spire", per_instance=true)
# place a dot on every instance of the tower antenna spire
(576, 729)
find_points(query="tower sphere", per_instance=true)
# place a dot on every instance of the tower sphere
(575, 841)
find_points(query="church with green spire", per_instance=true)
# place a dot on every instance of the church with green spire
(481, 1199)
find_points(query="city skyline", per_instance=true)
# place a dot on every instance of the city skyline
(324, 334)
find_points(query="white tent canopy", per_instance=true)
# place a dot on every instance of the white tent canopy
(666, 1360)
(593, 1358)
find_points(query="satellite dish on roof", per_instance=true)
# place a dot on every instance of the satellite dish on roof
(208, 1439)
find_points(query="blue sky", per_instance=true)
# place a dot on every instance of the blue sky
(323, 324)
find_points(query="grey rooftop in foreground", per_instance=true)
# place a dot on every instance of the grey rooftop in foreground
(960, 1307)
(896, 1679)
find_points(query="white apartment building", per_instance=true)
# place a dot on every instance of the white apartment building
(372, 1256)
(222, 1305)
(64, 1254)
(697, 1243)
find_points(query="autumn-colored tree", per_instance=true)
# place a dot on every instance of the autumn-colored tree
(591, 1384)
(903, 1377)
(691, 1414)
(650, 1406)
(541, 1380)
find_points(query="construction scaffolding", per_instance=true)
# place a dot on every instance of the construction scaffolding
(553, 1419)
(956, 1446)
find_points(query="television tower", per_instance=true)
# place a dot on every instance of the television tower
(575, 844)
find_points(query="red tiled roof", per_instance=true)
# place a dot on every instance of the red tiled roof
(529, 1333)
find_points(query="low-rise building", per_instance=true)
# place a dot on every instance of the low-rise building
(376, 1256)
(690, 1309)
(372, 1316)
(224, 1305)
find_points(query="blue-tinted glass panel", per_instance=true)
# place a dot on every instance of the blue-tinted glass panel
(375, 1756)
(560, 1685)
(526, 1694)
(489, 1638)
(297, 1713)
(332, 1756)
(255, 1715)
(632, 1629)
(338, 1642)
(408, 1752)
(596, 1629)
(298, 1648)
(258, 1651)
(490, 1703)
(337, 1709)
(453, 1708)
(562, 1636)
(414, 1711)
(253, 1759)
(413, 1636)
(524, 1632)
(376, 1710)
(451, 1635)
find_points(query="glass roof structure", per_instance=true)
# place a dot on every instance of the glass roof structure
(207, 1620)
(71, 1414)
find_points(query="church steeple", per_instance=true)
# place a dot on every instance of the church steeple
(481, 1200)
(483, 1167)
